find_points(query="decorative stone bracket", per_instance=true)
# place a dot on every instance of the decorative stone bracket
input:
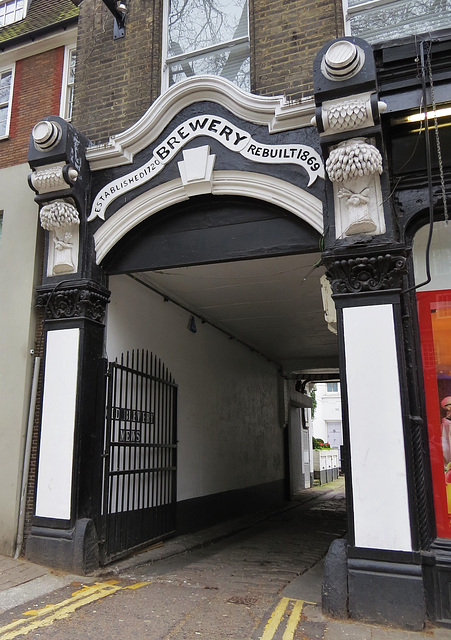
(53, 178)
(347, 103)
(60, 218)
(354, 167)
(356, 112)
(59, 181)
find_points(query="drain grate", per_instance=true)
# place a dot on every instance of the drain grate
(248, 601)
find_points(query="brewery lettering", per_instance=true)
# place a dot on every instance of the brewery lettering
(285, 152)
(207, 125)
(225, 132)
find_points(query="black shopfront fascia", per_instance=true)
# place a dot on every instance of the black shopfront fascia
(419, 175)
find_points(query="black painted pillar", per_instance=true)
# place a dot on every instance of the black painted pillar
(367, 268)
(72, 295)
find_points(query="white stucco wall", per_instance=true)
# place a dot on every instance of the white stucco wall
(17, 324)
(328, 409)
(229, 434)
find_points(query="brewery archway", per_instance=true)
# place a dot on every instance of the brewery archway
(226, 290)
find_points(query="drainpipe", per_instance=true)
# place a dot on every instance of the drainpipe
(27, 454)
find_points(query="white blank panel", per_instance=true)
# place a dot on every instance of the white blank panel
(379, 483)
(58, 421)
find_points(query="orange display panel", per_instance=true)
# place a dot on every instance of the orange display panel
(434, 308)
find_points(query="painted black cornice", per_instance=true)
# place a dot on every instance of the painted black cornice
(73, 300)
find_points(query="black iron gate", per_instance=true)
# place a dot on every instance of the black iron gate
(139, 479)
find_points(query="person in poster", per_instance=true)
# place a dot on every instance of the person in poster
(446, 445)
(446, 430)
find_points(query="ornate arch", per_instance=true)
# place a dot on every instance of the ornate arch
(302, 204)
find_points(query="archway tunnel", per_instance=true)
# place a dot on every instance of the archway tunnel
(226, 292)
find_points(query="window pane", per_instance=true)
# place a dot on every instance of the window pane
(440, 256)
(70, 85)
(3, 120)
(231, 63)
(383, 21)
(5, 87)
(70, 103)
(332, 387)
(10, 11)
(73, 60)
(196, 24)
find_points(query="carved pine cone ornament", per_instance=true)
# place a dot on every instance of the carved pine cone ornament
(57, 214)
(353, 160)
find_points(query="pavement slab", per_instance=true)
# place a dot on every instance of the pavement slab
(15, 572)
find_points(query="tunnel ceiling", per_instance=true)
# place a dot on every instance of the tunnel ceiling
(272, 304)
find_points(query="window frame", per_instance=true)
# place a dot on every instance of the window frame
(9, 68)
(362, 6)
(24, 11)
(197, 53)
(66, 104)
(336, 391)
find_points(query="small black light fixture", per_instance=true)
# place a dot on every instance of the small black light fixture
(192, 325)
(119, 10)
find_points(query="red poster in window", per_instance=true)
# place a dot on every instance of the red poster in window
(434, 309)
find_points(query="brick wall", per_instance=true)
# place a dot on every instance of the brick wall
(116, 81)
(285, 37)
(36, 93)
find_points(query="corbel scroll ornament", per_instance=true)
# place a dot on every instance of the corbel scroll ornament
(81, 301)
(54, 178)
(352, 114)
(367, 274)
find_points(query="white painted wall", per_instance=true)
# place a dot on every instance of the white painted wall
(297, 480)
(17, 327)
(378, 466)
(228, 416)
(328, 409)
(54, 487)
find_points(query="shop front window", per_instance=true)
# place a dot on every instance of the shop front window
(434, 309)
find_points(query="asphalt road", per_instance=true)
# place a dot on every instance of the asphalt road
(242, 588)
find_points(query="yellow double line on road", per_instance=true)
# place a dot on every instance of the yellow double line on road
(289, 610)
(47, 615)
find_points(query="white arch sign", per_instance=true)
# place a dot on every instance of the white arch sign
(222, 130)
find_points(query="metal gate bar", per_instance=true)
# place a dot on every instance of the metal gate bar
(140, 454)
